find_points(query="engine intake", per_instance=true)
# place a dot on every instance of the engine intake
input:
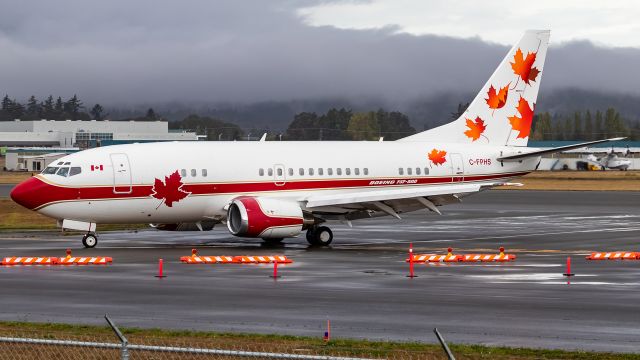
(264, 217)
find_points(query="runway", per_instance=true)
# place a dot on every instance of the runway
(5, 189)
(359, 282)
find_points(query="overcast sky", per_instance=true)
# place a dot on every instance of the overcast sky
(128, 52)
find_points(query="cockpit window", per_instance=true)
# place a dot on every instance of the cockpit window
(75, 170)
(63, 171)
(50, 170)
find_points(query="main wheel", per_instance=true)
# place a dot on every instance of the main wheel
(90, 240)
(320, 236)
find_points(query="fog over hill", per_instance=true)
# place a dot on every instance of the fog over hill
(257, 62)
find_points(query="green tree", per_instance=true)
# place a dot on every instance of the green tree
(578, 133)
(393, 125)
(47, 110)
(568, 129)
(33, 108)
(558, 131)
(151, 115)
(96, 112)
(304, 127)
(598, 129)
(364, 126)
(73, 106)
(588, 126)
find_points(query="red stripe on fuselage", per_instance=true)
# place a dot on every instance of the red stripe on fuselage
(36, 193)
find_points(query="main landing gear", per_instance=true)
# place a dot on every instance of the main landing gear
(319, 236)
(90, 240)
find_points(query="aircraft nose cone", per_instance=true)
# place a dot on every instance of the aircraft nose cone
(26, 193)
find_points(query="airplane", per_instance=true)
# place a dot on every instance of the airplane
(278, 189)
(611, 161)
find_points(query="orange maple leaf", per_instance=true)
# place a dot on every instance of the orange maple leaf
(523, 66)
(437, 157)
(476, 128)
(522, 123)
(170, 190)
(497, 100)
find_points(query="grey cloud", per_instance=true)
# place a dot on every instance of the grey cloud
(123, 52)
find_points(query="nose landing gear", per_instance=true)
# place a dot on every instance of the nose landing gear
(319, 236)
(90, 240)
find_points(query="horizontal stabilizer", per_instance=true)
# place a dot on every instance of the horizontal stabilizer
(540, 152)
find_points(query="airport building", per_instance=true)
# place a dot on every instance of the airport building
(33, 159)
(85, 134)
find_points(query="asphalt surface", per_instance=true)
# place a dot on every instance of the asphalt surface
(5, 189)
(360, 282)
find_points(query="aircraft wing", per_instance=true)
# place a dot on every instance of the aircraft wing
(391, 200)
(540, 152)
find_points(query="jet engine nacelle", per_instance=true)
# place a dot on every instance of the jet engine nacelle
(265, 218)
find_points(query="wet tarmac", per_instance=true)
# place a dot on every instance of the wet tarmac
(360, 281)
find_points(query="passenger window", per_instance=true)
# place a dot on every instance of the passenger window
(290, 171)
(279, 171)
(301, 172)
(417, 171)
(356, 171)
(270, 171)
(75, 170)
(366, 171)
(310, 171)
(261, 172)
(409, 171)
(347, 171)
(204, 172)
(339, 171)
(400, 171)
(194, 172)
(63, 171)
(183, 172)
(50, 170)
(320, 171)
(329, 171)
(426, 171)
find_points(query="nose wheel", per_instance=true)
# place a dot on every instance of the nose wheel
(90, 240)
(319, 236)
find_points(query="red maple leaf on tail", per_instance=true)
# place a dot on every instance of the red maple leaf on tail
(476, 128)
(522, 123)
(523, 66)
(497, 100)
(437, 157)
(170, 190)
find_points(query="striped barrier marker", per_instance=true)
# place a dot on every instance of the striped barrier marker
(425, 258)
(85, 260)
(262, 259)
(19, 260)
(615, 255)
(207, 259)
(201, 259)
(488, 258)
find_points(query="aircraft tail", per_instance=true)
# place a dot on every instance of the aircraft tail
(502, 112)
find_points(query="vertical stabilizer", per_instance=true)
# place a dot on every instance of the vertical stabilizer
(502, 112)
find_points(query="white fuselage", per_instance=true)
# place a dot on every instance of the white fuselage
(119, 188)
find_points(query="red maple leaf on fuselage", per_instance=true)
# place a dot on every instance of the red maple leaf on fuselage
(437, 157)
(170, 190)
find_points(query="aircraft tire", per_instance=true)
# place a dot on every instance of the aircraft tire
(322, 236)
(90, 240)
